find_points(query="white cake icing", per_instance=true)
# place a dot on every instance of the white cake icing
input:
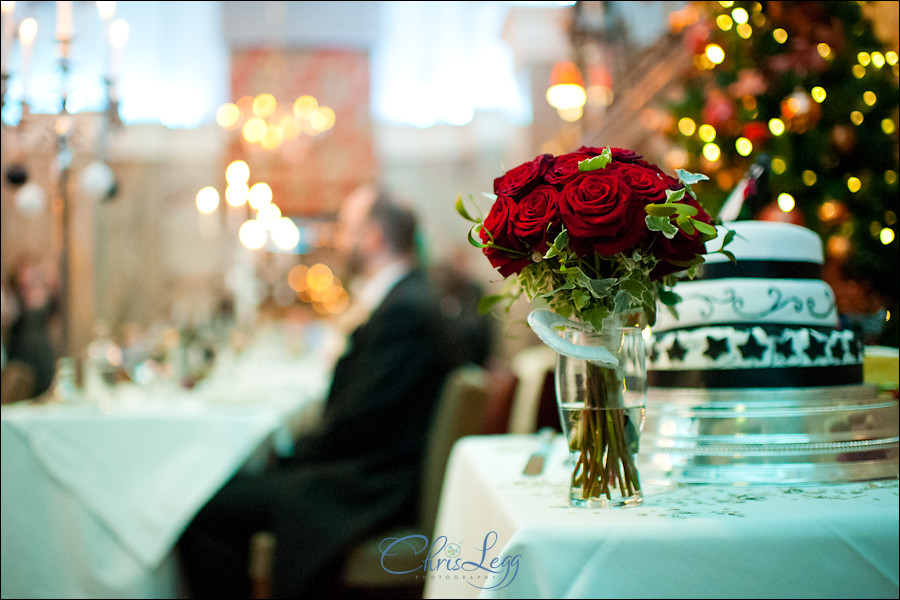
(768, 240)
(768, 320)
(806, 302)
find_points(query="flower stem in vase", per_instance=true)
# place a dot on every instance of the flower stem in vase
(605, 437)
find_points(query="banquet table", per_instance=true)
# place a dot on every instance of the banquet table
(501, 534)
(95, 494)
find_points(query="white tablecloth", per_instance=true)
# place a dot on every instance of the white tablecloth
(689, 542)
(94, 496)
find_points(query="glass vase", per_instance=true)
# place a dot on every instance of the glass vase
(601, 408)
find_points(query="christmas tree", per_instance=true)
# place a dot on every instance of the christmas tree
(809, 94)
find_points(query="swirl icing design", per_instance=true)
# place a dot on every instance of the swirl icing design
(785, 302)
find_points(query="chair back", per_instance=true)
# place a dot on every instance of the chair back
(460, 412)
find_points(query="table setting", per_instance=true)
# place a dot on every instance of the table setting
(97, 488)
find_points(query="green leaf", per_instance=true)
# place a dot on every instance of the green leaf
(596, 162)
(729, 254)
(690, 178)
(635, 288)
(705, 228)
(461, 209)
(697, 260)
(669, 298)
(687, 179)
(656, 223)
(558, 245)
(674, 195)
(686, 224)
(624, 302)
(475, 240)
(599, 288)
(661, 210)
(686, 210)
(488, 302)
(669, 230)
(580, 299)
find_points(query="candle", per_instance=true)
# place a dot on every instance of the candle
(27, 32)
(118, 35)
(64, 21)
(9, 26)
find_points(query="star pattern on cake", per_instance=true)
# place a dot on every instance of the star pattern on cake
(716, 348)
(785, 347)
(837, 348)
(676, 351)
(816, 348)
(752, 349)
(856, 347)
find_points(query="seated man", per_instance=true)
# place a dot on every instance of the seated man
(359, 470)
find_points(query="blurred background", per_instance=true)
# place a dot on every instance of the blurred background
(178, 165)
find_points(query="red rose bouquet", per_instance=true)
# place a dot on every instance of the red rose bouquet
(597, 234)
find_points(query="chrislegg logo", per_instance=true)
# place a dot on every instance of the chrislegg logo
(444, 559)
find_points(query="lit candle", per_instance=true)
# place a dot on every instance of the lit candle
(64, 21)
(27, 32)
(9, 27)
(106, 11)
(118, 35)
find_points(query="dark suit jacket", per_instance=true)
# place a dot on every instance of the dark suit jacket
(356, 473)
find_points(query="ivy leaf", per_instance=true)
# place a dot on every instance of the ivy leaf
(596, 162)
(674, 195)
(635, 288)
(580, 299)
(656, 223)
(599, 288)
(623, 302)
(729, 254)
(669, 298)
(688, 179)
(595, 316)
(556, 248)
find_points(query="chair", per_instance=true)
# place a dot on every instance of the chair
(534, 404)
(460, 412)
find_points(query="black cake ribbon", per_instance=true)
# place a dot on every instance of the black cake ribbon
(778, 377)
(761, 269)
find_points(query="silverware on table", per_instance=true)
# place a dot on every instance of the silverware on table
(535, 464)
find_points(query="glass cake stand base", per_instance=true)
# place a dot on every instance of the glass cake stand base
(780, 436)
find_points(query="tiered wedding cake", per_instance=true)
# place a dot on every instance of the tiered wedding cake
(754, 382)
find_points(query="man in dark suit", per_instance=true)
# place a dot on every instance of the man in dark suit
(359, 470)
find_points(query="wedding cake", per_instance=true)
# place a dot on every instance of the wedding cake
(754, 381)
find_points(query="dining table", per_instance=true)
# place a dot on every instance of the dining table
(502, 534)
(96, 491)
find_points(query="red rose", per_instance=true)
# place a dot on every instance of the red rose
(682, 247)
(499, 223)
(520, 179)
(602, 214)
(537, 219)
(565, 167)
(648, 183)
(619, 154)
